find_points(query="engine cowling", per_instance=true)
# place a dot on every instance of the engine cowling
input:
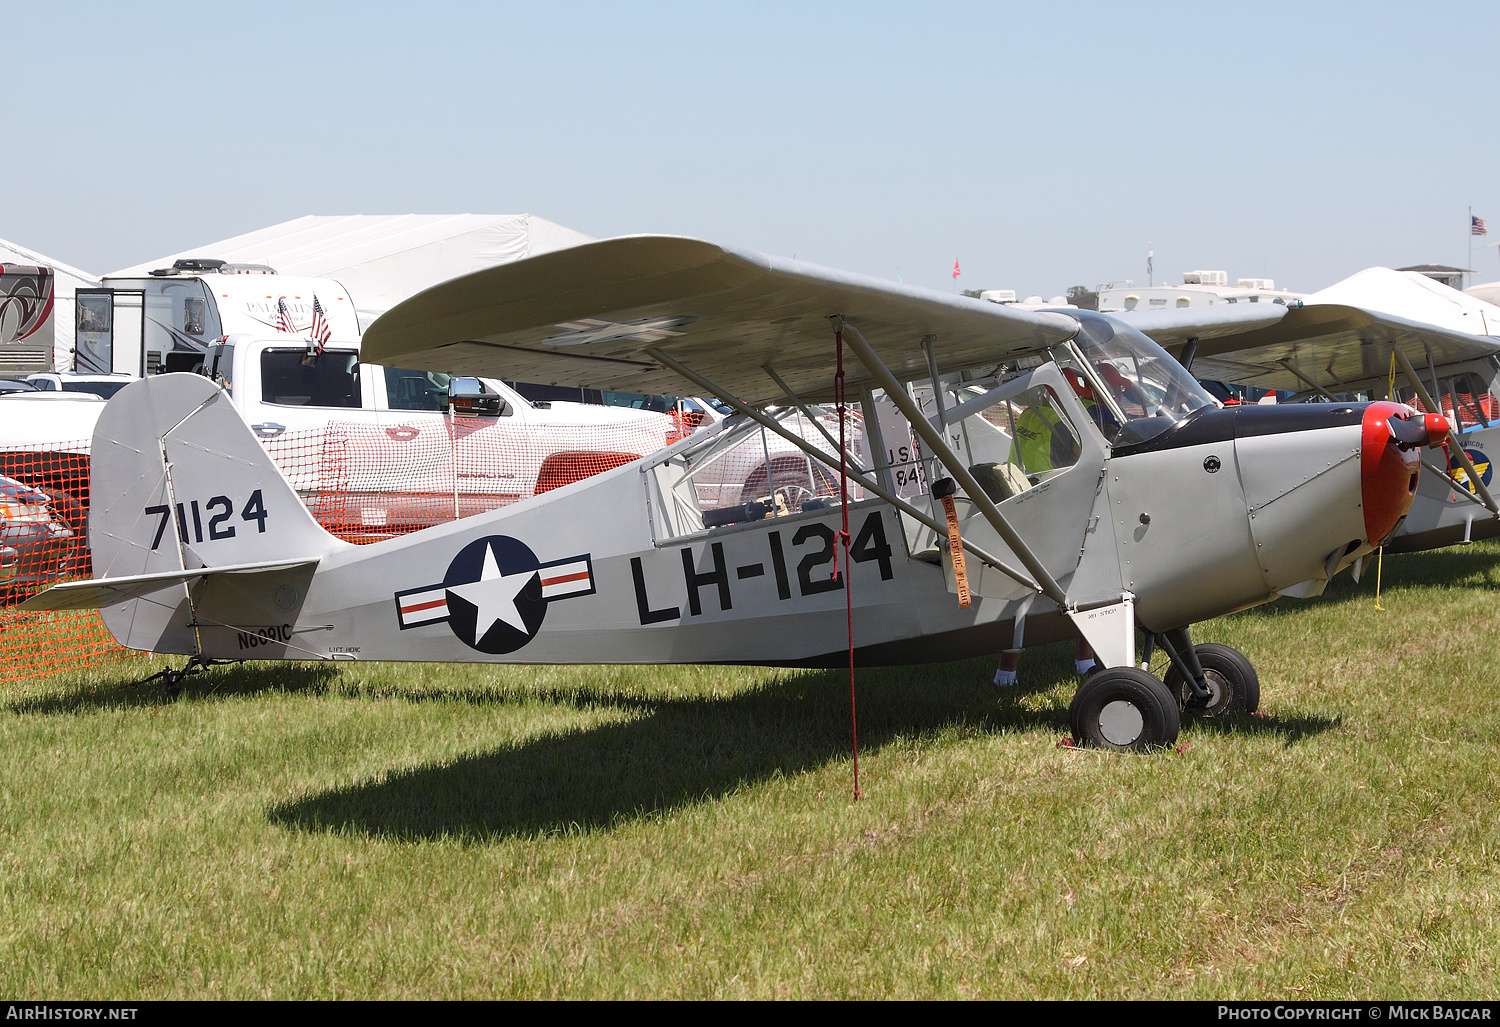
(1390, 465)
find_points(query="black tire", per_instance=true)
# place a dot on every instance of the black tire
(1125, 709)
(1232, 682)
(796, 482)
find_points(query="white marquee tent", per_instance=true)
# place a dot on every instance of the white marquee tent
(383, 258)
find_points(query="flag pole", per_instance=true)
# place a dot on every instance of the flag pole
(1471, 243)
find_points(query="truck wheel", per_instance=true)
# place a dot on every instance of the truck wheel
(795, 483)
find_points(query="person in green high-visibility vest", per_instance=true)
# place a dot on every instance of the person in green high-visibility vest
(1045, 442)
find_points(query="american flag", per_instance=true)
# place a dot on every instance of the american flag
(321, 333)
(956, 272)
(1476, 226)
(284, 317)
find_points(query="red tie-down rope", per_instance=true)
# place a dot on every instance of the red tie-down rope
(842, 538)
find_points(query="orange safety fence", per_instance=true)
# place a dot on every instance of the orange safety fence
(365, 482)
(44, 502)
(1467, 410)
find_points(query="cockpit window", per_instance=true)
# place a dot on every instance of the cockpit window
(1151, 389)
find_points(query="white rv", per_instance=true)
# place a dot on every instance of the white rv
(167, 320)
(26, 318)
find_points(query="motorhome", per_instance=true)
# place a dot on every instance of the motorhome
(166, 320)
(27, 315)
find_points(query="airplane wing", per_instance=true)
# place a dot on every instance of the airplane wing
(589, 316)
(1169, 327)
(1342, 334)
(101, 592)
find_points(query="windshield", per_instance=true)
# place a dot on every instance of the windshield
(1152, 390)
(102, 389)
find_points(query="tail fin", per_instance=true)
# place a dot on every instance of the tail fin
(179, 483)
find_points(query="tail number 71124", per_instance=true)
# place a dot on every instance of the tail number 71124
(215, 513)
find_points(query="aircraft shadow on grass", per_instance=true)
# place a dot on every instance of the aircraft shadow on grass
(238, 679)
(673, 753)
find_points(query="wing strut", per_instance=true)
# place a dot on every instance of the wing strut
(933, 439)
(1458, 445)
(1286, 362)
(770, 424)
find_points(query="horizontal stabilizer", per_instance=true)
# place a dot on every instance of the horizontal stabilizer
(102, 592)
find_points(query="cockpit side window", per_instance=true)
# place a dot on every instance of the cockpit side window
(1045, 440)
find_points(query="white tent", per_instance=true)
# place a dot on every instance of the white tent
(66, 281)
(383, 258)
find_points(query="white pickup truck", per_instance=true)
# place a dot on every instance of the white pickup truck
(374, 450)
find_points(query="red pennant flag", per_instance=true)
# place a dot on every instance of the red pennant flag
(955, 267)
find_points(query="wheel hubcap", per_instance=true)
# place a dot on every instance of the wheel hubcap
(1120, 722)
(1219, 690)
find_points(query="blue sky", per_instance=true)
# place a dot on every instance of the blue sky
(1043, 145)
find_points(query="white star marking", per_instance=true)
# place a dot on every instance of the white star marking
(592, 329)
(494, 594)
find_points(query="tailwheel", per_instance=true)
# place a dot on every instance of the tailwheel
(1233, 686)
(1125, 709)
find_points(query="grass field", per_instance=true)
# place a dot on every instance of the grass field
(382, 830)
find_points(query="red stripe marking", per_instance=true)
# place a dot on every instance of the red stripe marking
(425, 606)
(580, 576)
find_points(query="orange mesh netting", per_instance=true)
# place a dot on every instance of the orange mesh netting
(43, 531)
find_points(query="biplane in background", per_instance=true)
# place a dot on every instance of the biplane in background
(1068, 478)
(1397, 335)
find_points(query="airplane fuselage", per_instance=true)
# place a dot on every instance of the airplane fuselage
(1225, 511)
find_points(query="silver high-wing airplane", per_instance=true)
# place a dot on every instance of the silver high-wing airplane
(1066, 477)
(1382, 333)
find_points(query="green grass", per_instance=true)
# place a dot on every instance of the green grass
(383, 830)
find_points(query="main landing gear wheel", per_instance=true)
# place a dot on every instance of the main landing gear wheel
(1233, 686)
(1125, 709)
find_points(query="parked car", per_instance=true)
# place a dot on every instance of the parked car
(44, 548)
(102, 385)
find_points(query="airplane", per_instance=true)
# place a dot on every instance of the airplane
(1379, 333)
(1067, 478)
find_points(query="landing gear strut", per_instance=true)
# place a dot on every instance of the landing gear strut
(172, 680)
